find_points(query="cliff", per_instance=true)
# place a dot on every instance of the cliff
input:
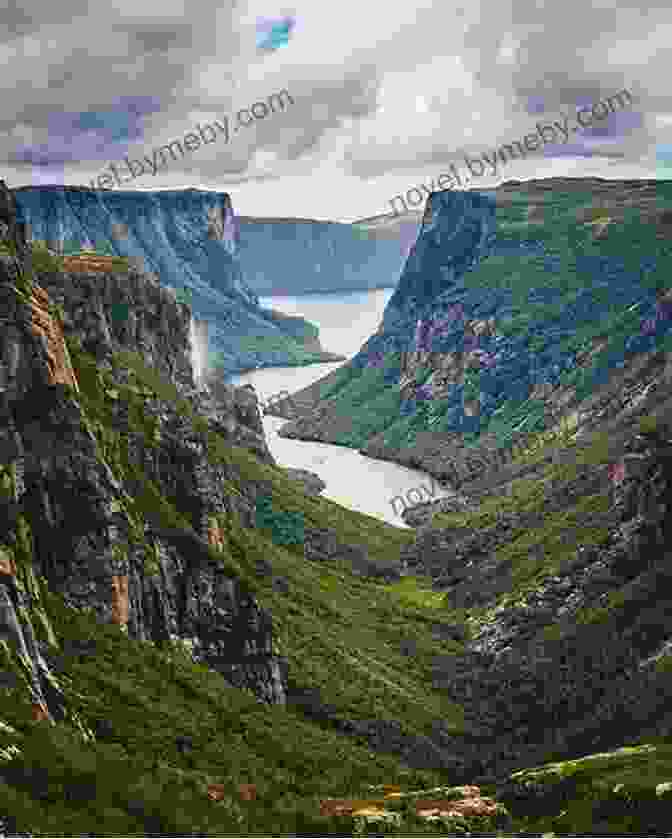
(506, 298)
(177, 662)
(302, 256)
(186, 239)
(532, 370)
(75, 414)
(130, 544)
(559, 562)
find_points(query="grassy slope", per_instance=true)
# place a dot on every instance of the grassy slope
(617, 793)
(369, 406)
(333, 634)
(339, 632)
(561, 532)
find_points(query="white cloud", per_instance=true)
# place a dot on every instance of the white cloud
(386, 94)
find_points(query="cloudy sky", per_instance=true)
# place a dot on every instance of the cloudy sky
(386, 96)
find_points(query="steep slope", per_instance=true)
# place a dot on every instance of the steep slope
(128, 525)
(564, 573)
(564, 289)
(186, 239)
(392, 227)
(188, 673)
(557, 557)
(73, 416)
(303, 256)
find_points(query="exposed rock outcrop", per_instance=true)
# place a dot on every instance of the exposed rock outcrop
(184, 238)
(67, 509)
(479, 324)
(572, 663)
(312, 483)
(560, 559)
(325, 256)
(11, 228)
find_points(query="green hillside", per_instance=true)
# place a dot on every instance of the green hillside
(327, 626)
(341, 633)
(559, 279)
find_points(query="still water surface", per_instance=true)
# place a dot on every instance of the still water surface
(345, 321)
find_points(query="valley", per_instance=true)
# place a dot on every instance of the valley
(513, 639)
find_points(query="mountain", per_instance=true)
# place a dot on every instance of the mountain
(302, 256)
(404, 226)
(504, 297)
(186, 239)
(194, 642)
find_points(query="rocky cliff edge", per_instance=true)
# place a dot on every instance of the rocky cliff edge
(86, 457)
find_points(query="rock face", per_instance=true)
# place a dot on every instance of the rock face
(67, 510)
(464, 225)
(48, 332)
(482, 335)
(572, 663)
(569, 629)
(11, 228)
(324, 544)
(185, 238)
(324, 257)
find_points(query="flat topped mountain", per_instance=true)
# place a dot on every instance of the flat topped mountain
(185, 238)
(184, 622)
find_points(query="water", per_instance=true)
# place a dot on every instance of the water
(198, 337)
(369, 486)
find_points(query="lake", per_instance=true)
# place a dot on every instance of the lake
(360, 483)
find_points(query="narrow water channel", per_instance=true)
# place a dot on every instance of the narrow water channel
(377, 488)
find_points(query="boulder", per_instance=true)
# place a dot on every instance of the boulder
(312, 483)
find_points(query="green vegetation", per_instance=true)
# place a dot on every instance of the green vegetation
(297, 328)
(121, 263)
(540, 323)
(184, 295)
(561, 436)
(43, 261)
(536, 554)
(71, 247)
(289, 347)
(335, 635)
(621, 793)
(280, 343)
(340, 633)
(140, 782)
(409, 590)
(286, 528)
(555, 541)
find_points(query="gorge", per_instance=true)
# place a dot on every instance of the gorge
(185, 239)
(516, 639)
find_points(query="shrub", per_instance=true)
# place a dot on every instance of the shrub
(43, 261)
